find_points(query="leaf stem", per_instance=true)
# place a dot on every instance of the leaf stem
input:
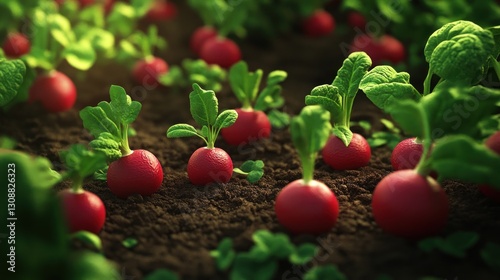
(124, 147)
(496, 66)
(423, 164)
(211, 137)
(76, 185)
(427, 82)
(308, 167)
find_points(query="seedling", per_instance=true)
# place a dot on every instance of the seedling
(194, 71)
(344, 149)
(455, 245)
(210, 164)
(15, 78)
(310, 131)
(261, 261)
(84, 211)
(252, 123)
(130, 171)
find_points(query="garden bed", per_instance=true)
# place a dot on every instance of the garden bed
(178, 226)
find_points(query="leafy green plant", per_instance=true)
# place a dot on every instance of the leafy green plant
(161, 274)
(7, 143)
(129, 242)
(13, 13)
(15, 78)
(455, 244)
(194, 71)
(88, 238)
(324, 272)
(140, 45)
(261, 261)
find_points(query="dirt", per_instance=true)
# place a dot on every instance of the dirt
(177, 227)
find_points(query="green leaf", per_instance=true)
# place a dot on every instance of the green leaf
(129, 242)
(250, 165)
(343, 133)
(278, 245)
(108, 145)
(161, 274)
(245, 268)
(224, 254)
(96, 122)
(226, 119)
(80, 55)
(88, 238)
(181, 130)
(278, 119)
(11, 78)
(459, 50)
(81, 162)
(326, 272)
(348, 77)
(203, 105)
(254, 170)
(392, 10)
(491, 255)
(384, 86)
(60, 29)
(459, 157)
(271, 97)
(7, 143)
(102, 174)
(23, 91)
(244, 84)
(121, 19)
(455, 245)
(303, 254)
(141, 7)
(410, 116)
(329, 98)
(100, 39)
(124, 109)
(254, 176)
(490, 125)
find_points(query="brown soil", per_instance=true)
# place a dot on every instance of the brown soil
(178, 226)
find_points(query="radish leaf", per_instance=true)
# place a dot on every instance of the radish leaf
(245, 84)
(203, 105)
(303, 254)
(129, 242)
(226, 118)
(88, 238)
(12, 74)
(324, 272)
(384, 86)
(456, 244)
(80, 55)
(96, 122)
(224, 254)
(181, 130)
(161, 274)
(254, 170)
(81, 163)
(278, 119)
(107, 144)
(124, 109)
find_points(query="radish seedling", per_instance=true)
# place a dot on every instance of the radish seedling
(319, 23)
(310, 131)
(161, 10)
(131, 171)
(252, 123)
(16, 45)
(210, 164)
(15, 78)
(344, 150)
(83, 210)
(194, 71)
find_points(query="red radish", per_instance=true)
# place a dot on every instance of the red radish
(357, 154)
(409, 205)
(200, 35)
(493, 142)
(209, 166)
(16, 45)
(406, 154)
(54, 90)
(108, 4)
(146, 71)
(250, 126)
(383, 48)
(137, 173)
(221, 51)
(161, 11)
(83, 211)
(319, 215)
(356, 19)
(307, 206)
(320, 23)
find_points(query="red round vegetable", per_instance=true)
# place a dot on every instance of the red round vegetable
(137, 173)
(54, 90)
(250, 126)
(320, 23)
(108, 4)
(207, 166)
(16, 45)
(406, 154)
(200, 36)
(493, 142)
(340, 157)
(409, 205)
(356, 19)
(307, 208)
(384, 48)
(221, 51)
(161, 11)
(146, 71)
(83, 211)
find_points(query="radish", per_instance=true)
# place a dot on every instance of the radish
(493, 143)
(147, 71)
(356, 19)
(406, 154)
(385, 48)
(108, 4)
(252, 123)
(199, 36)
(16, 45)
(131, 171)
(54, 90)
(161, 10)
(410, 205)
(320, 23)
(344, 150)
(221, 51)
(83, 210)
(307, 206)
(210, 164)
